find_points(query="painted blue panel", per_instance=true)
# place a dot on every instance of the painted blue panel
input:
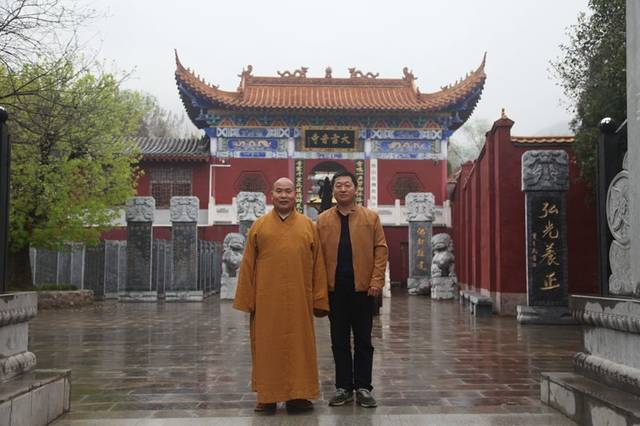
(252, 144)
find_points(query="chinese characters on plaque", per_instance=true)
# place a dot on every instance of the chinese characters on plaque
(545, 182)
(299, 185)
(360, 179)
(334, 139)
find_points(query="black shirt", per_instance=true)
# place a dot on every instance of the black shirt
(344, 267)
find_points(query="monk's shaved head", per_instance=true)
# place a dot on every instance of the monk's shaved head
(283, 182)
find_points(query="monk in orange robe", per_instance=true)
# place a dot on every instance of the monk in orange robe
(282, 284)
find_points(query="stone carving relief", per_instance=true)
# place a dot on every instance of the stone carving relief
(442, 262)
(420, 206)
(140, 209)
(184, 209)
(618, 219)
(545, 170)
(232, 247)
(251, 205)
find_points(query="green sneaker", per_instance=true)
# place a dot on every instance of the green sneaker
(341, 397)
(365, 399)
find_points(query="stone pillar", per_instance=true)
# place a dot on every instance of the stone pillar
(15, 312)
(545, 181)
(27, 396)
(94, 270)
(140, 211)
(184, 234)
(420, 213)
(251, 205)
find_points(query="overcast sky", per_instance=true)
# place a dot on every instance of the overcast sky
(439, 40)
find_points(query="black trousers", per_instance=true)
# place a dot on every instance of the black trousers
(351, 311)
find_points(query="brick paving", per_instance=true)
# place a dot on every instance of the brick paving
(193, 360)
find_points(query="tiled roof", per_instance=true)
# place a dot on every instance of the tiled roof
(171, 149)
(360, 92)
(542, 140)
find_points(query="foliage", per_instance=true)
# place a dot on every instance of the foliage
(70, 164)
(56, 287)
(592, 72)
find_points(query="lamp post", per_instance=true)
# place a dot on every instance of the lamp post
(5, 160)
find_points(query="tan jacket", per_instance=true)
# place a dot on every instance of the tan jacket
(368, 246)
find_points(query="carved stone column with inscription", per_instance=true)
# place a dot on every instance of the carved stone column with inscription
(251, 205)
(545, 181)
(184, 234)
(420, 213)
(138, 288)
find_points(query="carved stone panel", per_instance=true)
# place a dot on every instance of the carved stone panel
(420, 206)
(138, 257)
(140, 209)
(618, 209)
(184, 209)
(251, 205)
(545, 170)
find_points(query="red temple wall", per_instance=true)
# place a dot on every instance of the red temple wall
(431, 174)
(489, 224)
(226, 179)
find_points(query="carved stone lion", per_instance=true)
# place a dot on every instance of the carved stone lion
(233, 247)
(442, 263)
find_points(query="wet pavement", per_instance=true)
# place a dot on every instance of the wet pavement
(192, 360)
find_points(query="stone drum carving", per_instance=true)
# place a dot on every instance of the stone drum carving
(233, 247)
(251, 205)
(619, 221)
(443, 277)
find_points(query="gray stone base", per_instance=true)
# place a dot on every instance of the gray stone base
(36, 398)
(443, 288)
(419, 286)
(545, 315)
(138, 296)
(228, 288)
(588, 402)
(184, 296)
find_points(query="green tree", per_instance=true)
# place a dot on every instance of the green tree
(592, 72)
(70, 162)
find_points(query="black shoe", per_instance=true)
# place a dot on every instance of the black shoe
(365, 399)
(341, 397)
(299, 405)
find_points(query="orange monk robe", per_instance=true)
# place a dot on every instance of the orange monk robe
(282, 279)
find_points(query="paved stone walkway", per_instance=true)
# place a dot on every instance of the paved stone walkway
(192, 360)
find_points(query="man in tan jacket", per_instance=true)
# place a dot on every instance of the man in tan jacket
(355, 254)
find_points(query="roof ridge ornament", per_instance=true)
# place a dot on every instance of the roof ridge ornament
(300, 72)
(355, 73)
(408, 75)
(327, 72)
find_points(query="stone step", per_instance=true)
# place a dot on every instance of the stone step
(589, 402)
(527, 419)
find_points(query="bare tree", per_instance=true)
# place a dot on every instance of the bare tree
(37, 32)
(468, 142)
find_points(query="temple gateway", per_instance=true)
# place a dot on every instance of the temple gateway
(393, 137)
